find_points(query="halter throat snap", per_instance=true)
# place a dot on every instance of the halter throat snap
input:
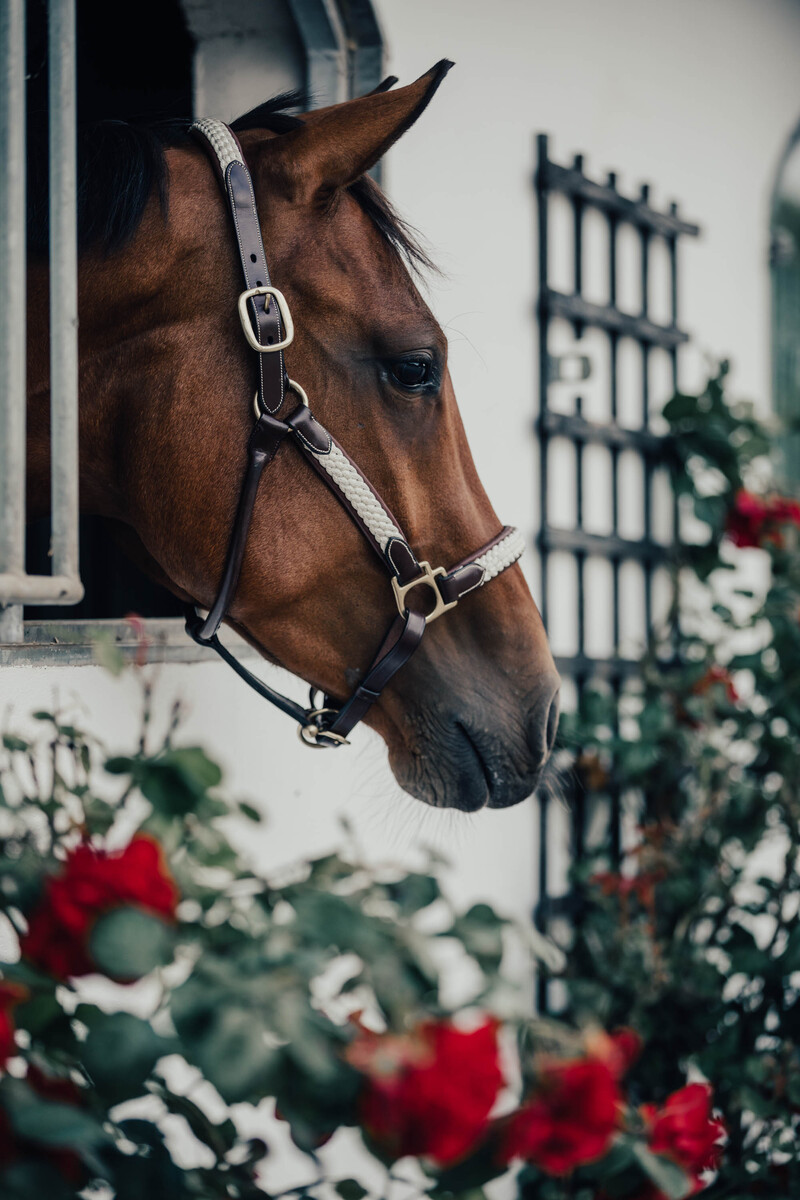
(269, 329)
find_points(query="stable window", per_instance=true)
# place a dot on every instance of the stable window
(175, 58)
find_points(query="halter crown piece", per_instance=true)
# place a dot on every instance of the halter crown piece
(267, 326)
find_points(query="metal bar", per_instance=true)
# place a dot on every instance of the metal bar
(12, 309)
(540, 910)
(542, 983)
(597, 668)
(63, 298)
(647, 465)
(19, 588)
(364, 45)
(615, 800)
(602, 316)
(606, 545)
(72, 642)
(572, 182)
(544, 372)
(616, 437)
(323, 36)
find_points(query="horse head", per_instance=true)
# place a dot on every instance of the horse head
(167, 384)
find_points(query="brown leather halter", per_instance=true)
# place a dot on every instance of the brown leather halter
(268, 328)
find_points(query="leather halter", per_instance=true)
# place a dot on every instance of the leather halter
(267, 326)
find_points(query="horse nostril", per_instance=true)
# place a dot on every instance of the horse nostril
(544, 722)
(552, 721)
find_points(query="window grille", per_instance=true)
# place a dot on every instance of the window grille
(343, 51)
(613, 217)
(63, 586)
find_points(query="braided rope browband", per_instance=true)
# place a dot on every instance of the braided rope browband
(268, 328)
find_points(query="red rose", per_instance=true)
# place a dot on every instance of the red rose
(685, 1130)
(716, 675)
(619, 1050)
(753, 520)
(571, 1118)
(428, 1093)
(642, 886)
(94, 882)
(10, 994)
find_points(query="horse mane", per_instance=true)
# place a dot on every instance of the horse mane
(120, 165)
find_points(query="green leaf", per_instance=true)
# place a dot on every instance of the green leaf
(119, 1054)
(252, 814)
(28, 1180)
(107, 653)
(49, 1122)
(175, 782)
(150, 1173)
(11, 742)
(128, 943)
(233, 1054)
(414, 892)
(350, 1189)
(668, 1177)
(480, 930)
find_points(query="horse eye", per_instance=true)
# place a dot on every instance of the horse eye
(411, 372)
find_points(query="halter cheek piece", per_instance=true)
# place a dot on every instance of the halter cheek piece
(268, 328)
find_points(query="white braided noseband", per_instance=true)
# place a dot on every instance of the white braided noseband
(377, 520)
(501, 555)
(361, 496)
(221, 139)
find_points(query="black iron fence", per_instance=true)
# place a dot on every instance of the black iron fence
(634, 331)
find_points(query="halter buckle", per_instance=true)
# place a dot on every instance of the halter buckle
(311, 733)
(428, 579)
(283, 310)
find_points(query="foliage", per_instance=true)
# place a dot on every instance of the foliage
(162, 999)
(161, 979)
(693, 938)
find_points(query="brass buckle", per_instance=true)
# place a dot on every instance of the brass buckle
(428, 577)
(310, 733)
(285, 315)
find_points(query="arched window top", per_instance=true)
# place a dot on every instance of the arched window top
(785, 272)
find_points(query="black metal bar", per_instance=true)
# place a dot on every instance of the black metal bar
(570, 182)
(578, 541)
(615, 813)
(647, 483)
(603, 316)
(542, 983)
(544, 372)
(616, 437)
(602, 669)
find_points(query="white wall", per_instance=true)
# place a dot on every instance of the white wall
(696, 97)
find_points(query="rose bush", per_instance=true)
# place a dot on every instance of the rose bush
(131, 877)
(317, 995)
(692, 933)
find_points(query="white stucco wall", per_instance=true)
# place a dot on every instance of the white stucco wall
(696, 96)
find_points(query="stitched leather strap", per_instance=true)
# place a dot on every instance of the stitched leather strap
(262, 445)
(362, 503)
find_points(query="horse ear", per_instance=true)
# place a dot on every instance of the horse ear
(339, 144)
(383, 86)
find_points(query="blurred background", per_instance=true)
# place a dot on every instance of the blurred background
(611, 191)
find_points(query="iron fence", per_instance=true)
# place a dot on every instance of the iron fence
(641, 438)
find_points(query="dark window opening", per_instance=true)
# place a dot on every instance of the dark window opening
(135, 69)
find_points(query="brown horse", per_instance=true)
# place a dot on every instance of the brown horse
(166, 387)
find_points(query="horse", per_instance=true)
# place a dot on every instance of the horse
(166, 385)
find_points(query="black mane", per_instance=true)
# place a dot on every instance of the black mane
(120, 165)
